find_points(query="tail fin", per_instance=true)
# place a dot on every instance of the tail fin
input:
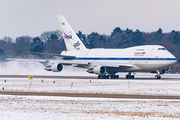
(72, 41)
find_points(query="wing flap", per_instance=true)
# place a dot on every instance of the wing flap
(116, 65)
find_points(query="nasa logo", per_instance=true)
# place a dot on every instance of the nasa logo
(76, 45)
(67, 36)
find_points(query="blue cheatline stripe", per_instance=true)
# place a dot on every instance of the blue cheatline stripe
(82, 58)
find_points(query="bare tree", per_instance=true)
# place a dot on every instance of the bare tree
(45, 36)
(23, 45)
(7, 39)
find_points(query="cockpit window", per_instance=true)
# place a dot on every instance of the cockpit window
(161, 48)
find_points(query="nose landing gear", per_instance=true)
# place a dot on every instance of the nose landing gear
(158, 76)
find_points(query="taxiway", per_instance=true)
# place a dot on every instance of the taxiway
(142, 87)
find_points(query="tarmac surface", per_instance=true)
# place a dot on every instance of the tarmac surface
(90, 77)
(90, 95)
(129, 96)
(43, 76)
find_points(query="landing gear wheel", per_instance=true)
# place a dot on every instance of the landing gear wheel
(158, 77)
(103, 76)
(107, 76)
(117, 76)
(128, 76)
(113, 76)
(132, 76)
(99, 76)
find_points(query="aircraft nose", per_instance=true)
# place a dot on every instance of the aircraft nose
(174, 60)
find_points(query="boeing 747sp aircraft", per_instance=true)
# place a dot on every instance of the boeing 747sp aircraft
(107, 62)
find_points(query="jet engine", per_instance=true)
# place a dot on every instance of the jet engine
(56, 67)
(164, 71)
(161, 71)
(97, 70)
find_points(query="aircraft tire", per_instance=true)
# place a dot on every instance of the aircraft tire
(112, 76)
(117, 76)
(158, 77)
(127, 76)
(104, 76)
(132, 76)
(107, 77)
(99, 76)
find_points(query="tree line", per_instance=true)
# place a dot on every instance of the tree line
(52, 42)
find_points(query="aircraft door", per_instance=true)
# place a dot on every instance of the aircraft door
(146, 59)
(130, 58)
(154, 55)
(92, 55)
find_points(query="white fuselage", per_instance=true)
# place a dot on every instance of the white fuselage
(142, 58)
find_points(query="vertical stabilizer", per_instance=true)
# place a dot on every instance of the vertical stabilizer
(72, 41)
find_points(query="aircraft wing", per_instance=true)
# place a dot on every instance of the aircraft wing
(50, 54)
(63, 62)
(82, 64)
(26, 60)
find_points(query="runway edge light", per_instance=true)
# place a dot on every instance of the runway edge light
(30, 77)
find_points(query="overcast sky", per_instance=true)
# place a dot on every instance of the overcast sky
(32, 17)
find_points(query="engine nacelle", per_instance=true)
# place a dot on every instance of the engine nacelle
(97, 70)
(56, 67)
(161, 71)
(164, 71)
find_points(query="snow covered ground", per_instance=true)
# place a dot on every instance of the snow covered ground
(56, 108)
(68, 108)
(143, 87)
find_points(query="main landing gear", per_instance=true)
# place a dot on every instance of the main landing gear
(103, 76)
(129, 76)
(113, 76)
